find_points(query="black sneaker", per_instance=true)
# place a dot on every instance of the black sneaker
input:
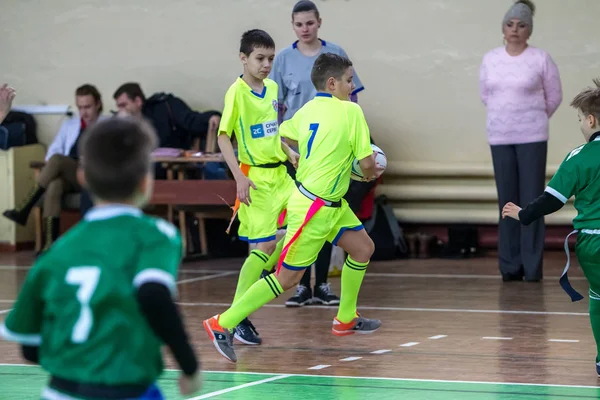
(324, 295)
(246, 333)
(302, 297)
(598, 369)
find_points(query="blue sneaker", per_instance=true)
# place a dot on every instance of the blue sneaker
(246, 333)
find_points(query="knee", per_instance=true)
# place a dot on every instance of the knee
(55, 189)
(289, 278)
(363, 252)
(267, 247)
(55, 161)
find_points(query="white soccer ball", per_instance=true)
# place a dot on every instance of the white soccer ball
(380, 161)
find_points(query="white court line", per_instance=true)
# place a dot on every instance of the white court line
(438, 337)
(350, 359)
(380, 351)
(5, 311)
(456, 276)
(409, 344)
(205, 278)
(232, 389)
(563, 341)
(369, 274)
(496, 338)
(450, 310)
(317, 367)
(377, 378)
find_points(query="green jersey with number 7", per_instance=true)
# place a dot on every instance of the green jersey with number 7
(78, 302)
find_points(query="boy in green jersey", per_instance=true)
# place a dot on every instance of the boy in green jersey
(579, 176)
(95, 309)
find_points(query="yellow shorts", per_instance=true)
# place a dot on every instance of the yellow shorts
(328, 224)
(258, 221)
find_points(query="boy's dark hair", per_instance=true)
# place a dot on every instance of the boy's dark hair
(132, 89)
(588, 100)
(116, 154)
(328, 65)
(305, 6)
(90, 90)
(255, 38)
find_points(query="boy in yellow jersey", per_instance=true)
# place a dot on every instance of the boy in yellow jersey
(330, 132)
(263, 184)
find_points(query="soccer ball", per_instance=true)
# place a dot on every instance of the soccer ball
(380, 161)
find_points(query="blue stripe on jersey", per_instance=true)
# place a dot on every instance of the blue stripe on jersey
(260, 95)
(244, 142)
(338, 177)
(321, 94)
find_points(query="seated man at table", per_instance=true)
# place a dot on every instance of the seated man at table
(176, 124)
(58, 176)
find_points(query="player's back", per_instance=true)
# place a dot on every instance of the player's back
(330, 134)
(92, 327)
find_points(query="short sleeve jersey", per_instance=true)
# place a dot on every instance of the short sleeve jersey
(330, 134)
(579, 176)
(291, 71)
(78, 302)
(253, 118)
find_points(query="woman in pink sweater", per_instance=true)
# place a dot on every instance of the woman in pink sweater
(521, 89)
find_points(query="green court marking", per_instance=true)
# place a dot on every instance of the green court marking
(26, 382)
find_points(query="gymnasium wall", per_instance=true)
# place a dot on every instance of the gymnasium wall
(419, 61)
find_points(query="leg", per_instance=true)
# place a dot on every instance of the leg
(258, 224)
(509, 231)
(51, 210)
(304, 294)
(587, 253)
(351, 236)
(301, 254)
(532, 177)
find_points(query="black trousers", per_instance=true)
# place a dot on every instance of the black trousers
(520, 174)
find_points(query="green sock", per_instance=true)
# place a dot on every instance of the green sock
(352, 277)
(595, 320)
(259, 294)
(250, 272)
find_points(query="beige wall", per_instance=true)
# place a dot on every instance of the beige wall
(419, 61)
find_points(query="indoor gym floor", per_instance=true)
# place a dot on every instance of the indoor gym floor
(451, 330)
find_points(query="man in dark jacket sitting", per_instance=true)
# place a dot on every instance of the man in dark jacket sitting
(176, 124)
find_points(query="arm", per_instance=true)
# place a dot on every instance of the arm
(552, 86)
(291, 154)
(7, 94)
(361, 141)
(483, 91)
(163, 317)
(58, 144)
(226, 148)
(156, 269)
(543, 205)
(561, 187)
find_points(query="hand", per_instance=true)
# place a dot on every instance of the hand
(293, 157)
(189, 385)
(511, 210)
(7, 94)
(213, 123)
(243, 189)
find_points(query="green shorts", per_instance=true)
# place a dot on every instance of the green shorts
(328, 224)
(258, 221)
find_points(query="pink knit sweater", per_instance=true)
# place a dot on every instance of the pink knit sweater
(520, 93)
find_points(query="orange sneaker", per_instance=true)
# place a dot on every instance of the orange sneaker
(359, 325)
(221, 337)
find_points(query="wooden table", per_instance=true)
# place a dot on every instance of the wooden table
(210, 196)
